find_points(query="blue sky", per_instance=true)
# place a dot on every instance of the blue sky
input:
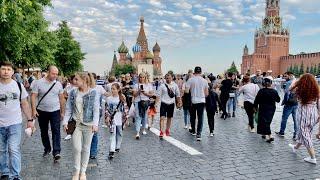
(209, 33)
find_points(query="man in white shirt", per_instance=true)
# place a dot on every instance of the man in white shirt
(167, 93)
(198, 87)
(49, 109)
(13, 99)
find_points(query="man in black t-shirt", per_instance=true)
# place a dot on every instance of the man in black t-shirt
(225, 89)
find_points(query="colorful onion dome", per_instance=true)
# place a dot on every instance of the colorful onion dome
(136, 48)
(123, 48)
(149, 55)
(156, 47)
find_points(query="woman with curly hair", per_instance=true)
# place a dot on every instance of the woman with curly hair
(307, 91)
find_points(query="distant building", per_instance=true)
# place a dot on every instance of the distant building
(271, 46)
(141, 54)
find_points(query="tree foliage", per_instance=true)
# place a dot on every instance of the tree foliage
(68, 56)
(123, 69)
(24, 36)
(301, 71)
(233, 68)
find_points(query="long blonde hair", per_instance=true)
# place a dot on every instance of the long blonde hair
(87, 78)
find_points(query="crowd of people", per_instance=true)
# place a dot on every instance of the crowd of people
(83, 102)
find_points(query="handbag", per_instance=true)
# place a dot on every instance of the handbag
(232, 95)
(45, 94)
(170, 92)
(71, 126)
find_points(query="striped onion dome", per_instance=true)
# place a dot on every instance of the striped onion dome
(123, 48)
(136, 48)
(149, 55)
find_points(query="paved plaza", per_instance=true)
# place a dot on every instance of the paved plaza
(233, 153)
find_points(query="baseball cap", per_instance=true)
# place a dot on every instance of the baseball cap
(197, 70)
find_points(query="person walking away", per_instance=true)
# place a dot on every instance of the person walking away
(290, 104)
(167, 93)
(266, 103)
(198, 88)
(50, 109)
(116, 115)
(307, 91)
(13, 100)
(142, 92)
(225, 89)
(250, 92)
(211, 108)
(66, 93)
(101, 93)
(186, 104)
(82, 107)
(232, 102)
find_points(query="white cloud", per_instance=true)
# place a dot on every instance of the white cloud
(168, 28)
(183, 5)
(199, 18)
(310, 31)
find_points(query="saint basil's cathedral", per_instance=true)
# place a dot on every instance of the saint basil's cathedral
(141, 54)
(271, 47)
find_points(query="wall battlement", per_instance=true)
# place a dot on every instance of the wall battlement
(301, 56)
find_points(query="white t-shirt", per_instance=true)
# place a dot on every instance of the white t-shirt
(147, 89)
(100, 90)
(108, 86)
(249, 91)
(10, 110)
(163, 92)
(51, 102)
(78, 115)
(197, 86)
(112, 106)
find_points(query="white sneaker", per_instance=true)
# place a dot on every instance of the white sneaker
(310, 160)
(104, 126)
(144, 132)
(69, 136)
(294, 150)
(252, 130)
(186, 127)
(211, 134)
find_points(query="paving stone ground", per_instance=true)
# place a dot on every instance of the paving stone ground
(233, 153)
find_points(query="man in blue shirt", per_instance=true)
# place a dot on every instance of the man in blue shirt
(290, 105)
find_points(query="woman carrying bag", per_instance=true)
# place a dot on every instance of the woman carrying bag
(82, 111)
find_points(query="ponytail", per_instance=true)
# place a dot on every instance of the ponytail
(91, 81)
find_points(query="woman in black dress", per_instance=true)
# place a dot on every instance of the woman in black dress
(266, 103)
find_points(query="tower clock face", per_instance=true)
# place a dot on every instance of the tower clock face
(277, 21)
(266, 21)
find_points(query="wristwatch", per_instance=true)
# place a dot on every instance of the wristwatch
(30, 120)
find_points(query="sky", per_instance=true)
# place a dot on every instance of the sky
(206, 33)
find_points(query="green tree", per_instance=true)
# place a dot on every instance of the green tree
(308, 69)
(24, 36)
(68, 56)
(123, 69)
(296, 70)
(318, 72)
(233, 68)
(290, 69)
(301, 71)
(315, 70)
(311, 70)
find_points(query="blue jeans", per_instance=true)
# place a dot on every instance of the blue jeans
(54, 119)
(232, 102)
(10, 155)
(140, 120)
(94, 145)
(186, 116)
(287, 110)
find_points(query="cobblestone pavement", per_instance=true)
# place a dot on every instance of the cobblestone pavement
(233, 153)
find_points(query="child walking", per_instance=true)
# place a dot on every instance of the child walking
(152, 111)
(211, 108)
(116, 115)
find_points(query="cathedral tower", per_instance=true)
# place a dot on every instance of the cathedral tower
(142, 40)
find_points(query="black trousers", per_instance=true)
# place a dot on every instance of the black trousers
(210, 116)
(249, 107)
(196, 110)
(54, 119)
(224, 99)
